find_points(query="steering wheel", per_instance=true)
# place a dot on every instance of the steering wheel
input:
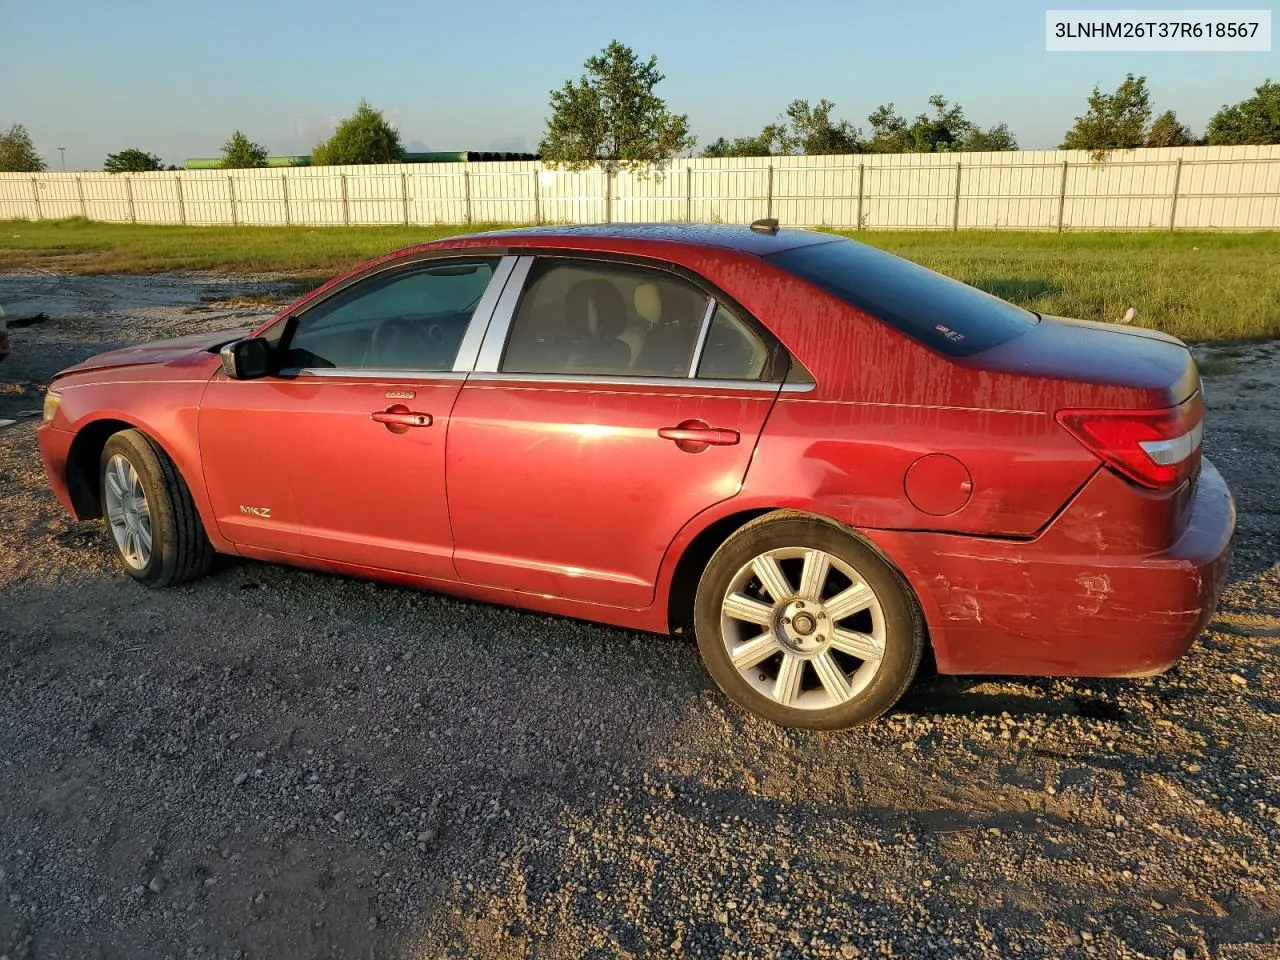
(391, 340)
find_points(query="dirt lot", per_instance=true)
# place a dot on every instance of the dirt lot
(270, 763)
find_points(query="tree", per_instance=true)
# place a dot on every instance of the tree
(946, 130)
(812, 131)
(1114, 121)
(801, 129)
(1166, 131)
(132, 160)
(756, 146)
(240, 152)
(364, 137)
(612, 117)
(994, 138)
(17, 152)
(1252, 121)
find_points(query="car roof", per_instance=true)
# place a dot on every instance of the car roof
(726, 236)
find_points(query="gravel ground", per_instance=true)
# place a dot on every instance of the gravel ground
(272, 763)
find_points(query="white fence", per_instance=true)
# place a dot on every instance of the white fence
(1210, 188)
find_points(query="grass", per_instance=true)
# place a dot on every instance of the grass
(1198, 286)
(86, 247)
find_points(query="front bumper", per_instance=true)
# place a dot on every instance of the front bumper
(1043, 608)
(55, 448)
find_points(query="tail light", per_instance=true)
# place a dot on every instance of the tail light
(1153, 448)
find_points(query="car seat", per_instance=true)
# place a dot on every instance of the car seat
(596, 314)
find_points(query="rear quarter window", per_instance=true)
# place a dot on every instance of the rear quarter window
(939, 312)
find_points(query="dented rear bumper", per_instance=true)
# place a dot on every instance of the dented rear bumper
(1055, 606)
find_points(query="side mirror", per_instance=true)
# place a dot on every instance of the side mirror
(246, 359)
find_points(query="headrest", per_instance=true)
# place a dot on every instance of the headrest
(648, 301)
(595, 308)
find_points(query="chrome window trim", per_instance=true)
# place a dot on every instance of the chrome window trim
(354, 373)
(607, 381)
(702, 337)
(494, 343)
(495, 336)
(469, 349)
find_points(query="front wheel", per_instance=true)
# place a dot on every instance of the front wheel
(151, 519)
(801, 622)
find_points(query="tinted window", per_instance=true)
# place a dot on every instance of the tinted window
(942, 313)
(733, 351)
(585, 317)
(407, 318)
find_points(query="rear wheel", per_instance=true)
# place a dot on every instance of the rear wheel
(802, 623)
(151, 519)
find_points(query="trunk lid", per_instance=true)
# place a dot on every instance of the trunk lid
(1098, 364)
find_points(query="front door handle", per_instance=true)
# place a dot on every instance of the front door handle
(398, 418)
(694, 436)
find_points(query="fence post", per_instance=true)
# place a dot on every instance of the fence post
(955, 213)
(466, 188)
(861, 170)
(84, 211)
(128, 191)
(346, 211)
(182, 210)
(537, 198)
(35, 193)
(231, 187)
(404, 195)
(688, 194)
(608, 196)
(1173, 201)
(1062, 195)
(284, 194)
(769, 199)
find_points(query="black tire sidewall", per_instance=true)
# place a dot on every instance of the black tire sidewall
(904, 640)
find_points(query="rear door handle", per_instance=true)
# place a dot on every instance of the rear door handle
(694, 436)
(399, 418)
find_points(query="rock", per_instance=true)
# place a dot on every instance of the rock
(427, 836)
(1238, 680)
(1179, 954)
(340, 817)
(156, 885)
(240, 778)
(848, 951)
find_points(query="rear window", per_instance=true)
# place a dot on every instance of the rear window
(945, 314)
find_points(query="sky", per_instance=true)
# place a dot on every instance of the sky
(175, 78)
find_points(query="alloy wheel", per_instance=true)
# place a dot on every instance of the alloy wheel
(128, 513)
(803, 628)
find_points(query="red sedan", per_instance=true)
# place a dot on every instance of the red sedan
(818, 456)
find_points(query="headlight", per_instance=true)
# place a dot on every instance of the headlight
(51, 401)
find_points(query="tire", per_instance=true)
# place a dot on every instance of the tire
(178, 549)
(840, 599)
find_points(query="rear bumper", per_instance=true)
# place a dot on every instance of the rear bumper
(1045, 608)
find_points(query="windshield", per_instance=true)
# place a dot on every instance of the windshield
(944, 314)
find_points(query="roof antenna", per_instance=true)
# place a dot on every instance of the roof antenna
(767, 225)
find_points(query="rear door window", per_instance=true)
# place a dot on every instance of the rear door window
(583, 317)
